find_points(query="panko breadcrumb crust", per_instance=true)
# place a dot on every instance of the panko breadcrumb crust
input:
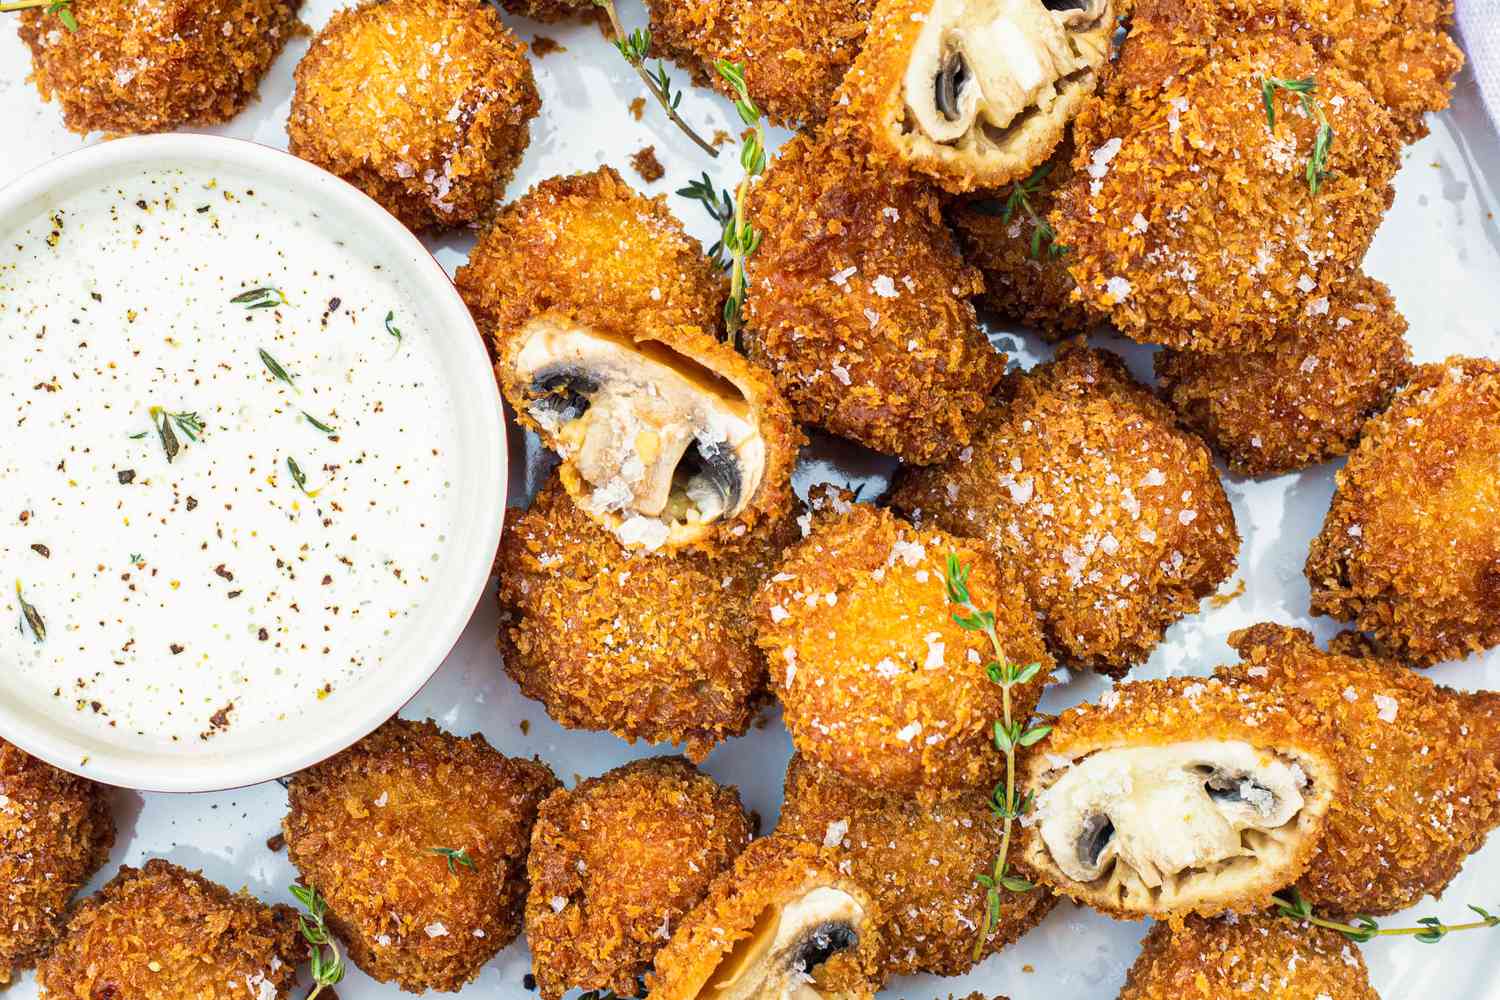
(1081, 475)
(161, 932)
(362, 830)
(424, 105)
(553, 11)
(615, 865)
(877, 681)
(1186, 709)
(134, 67)
(794, 54)
(1304, 399)
(858, 303)
(1421, 767)
(55, 833)
(1189, 221)
(919, 862)
(650, 646)
(1260, 955)
(1409, 550)
(771, 872)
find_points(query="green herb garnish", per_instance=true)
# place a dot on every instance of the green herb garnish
(319, 424)
(391, 328)
(274, 367)
(455, 857)
(265, 297)
(298, 476)
(30, 616)
(635, 47)
(719, 204)
(1042, 233)
(327, 967)
(163, 421)
(1361, 928)
(1317, 162)
(61, 9)
(741, 239)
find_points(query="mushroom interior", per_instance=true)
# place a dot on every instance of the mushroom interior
(663, 443)
(781, 956)
(980, 66)
(1155, 816)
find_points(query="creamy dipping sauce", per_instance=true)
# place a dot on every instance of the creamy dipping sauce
(225, 457)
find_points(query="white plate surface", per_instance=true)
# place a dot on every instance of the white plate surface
(1439, 250)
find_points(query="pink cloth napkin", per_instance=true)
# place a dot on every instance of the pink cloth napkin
(1479, 33)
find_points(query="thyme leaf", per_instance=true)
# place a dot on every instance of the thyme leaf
(1306, 91)
(719, 205)
(61, 9)
(455, 857)
(391, 328)
(31, 617)
(1042, 233)
(265, 297)
(1362, 928)
(298, 476)
(274, 367)
(319, 424)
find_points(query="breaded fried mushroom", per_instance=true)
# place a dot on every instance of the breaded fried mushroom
(794, 53)
(55, 833)
(155, 67)
(1409, 550)
(424, 105)
(604, 315)
(615, 866)
(161, 932)
(1191, 221)
(1260, 955)
(784, 921)
(1080, 474)
(1421, 766)
(1304, 399)
(1178, 796)
(417, 839)
(920, 863)
(650, 646)
(877, 681)
(858, 303)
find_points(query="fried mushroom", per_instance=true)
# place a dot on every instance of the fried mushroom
(616, 864)
(975, 93)
(1212, 959)
(1421, 767)
(669, 438)
(55, 833)
(1080, 474)
(1304, 399)
(424, 105)
(417, 839)
(1408, 550)
(858, 303)
(1177, 796)
(919, 862)
(155, 67)
(877, 681)
(784, 922)
(161, 932)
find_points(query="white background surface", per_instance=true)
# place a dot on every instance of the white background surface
(1439, 249)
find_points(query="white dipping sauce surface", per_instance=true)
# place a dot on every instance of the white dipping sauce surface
(266, 561)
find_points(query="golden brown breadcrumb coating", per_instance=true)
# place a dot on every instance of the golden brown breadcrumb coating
(155, 67)
(161, 932)
(1409, 549)
(651, 646)
(836, 958)
(1421, 768)
(363, 829)
(1026, 277)
(552, 11)
(1189, 220)
(877, 680)
(919, 862)
(616, 864)
(858, 303)
(424, 105)
(1080, 474)
(1261, 955)
(794, 54)
(1180, 712)
(55, 833)
(1304, 399)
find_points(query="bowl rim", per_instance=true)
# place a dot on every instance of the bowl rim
(473, 568)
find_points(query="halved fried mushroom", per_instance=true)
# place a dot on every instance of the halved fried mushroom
(783, 925)
(662, 437)
(983, 90)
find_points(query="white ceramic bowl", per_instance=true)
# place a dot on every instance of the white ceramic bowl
(431, 630)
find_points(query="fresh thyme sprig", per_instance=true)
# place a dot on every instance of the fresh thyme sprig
(327, 968)
(635, 47)
(1042, 233)
(31, 617)
(1306, 90)
(63, 9)
(274, 367)
(1429, 930)
(162, 420)
(719, 205)
(1010, 734)
(741, 238)
(455, 857)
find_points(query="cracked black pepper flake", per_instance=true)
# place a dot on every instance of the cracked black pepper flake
(42, 550)
(126, 476)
